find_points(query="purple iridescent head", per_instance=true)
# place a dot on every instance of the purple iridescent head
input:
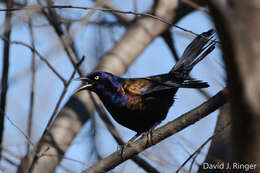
(100, 81)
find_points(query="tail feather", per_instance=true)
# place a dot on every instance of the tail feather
(194, 84)
(178, 77)
(201, 44)
(188, 83)
(209, 49)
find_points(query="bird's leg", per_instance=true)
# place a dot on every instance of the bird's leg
(149, 136)
(122, 147)
(149, 133)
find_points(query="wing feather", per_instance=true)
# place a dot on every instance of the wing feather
(157, 84)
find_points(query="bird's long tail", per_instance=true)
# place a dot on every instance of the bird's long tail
(198, 49)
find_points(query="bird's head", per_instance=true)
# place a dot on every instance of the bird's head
(100, 82)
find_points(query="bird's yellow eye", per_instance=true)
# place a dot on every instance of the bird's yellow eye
(96, 77)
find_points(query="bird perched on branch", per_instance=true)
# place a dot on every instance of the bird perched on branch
(141, 103)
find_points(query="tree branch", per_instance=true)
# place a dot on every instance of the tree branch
(33, 70)
(159, 18)
(4, 81)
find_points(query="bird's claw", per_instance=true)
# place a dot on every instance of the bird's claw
(121, 148)
(149, 135)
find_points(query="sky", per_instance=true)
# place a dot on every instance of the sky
(155, 59)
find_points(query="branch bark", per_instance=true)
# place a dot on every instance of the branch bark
(161, 133)
(4, 81)
(32, 94)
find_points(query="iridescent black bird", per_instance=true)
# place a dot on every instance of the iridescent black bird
(141, 103)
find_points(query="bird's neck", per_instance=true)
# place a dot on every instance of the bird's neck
(113, 101)
(113, 95)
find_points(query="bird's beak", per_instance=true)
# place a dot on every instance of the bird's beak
(87, 84)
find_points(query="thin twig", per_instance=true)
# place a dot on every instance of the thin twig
(19, 129)
(10, 161)
(65, 158)
(61, 97)
(192, 162)
(53, 19)
(196, 6)
(34, 7)
(201, 147)
(33, 70)
(100, 9)
(37, 53)
(5, 73)
(168, 38)
(11, 153)
(43, 154)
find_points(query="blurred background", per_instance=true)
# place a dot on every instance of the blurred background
(34, 36)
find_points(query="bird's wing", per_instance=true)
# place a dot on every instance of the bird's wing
(189, 83)
(155, 85)
(158, 87)
(144, 86)
(136, 86)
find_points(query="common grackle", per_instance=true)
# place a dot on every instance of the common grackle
(141, 103)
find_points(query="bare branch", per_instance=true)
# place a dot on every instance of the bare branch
(196, 5)
(19, 129)
(53, 19)
(4, 80)
(37, 53)
(161, 19)
(33, 70)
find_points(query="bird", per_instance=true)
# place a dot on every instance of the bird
(140, 104)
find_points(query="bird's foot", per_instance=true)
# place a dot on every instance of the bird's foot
(121, 148)
(128, 144)
(149, 135)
